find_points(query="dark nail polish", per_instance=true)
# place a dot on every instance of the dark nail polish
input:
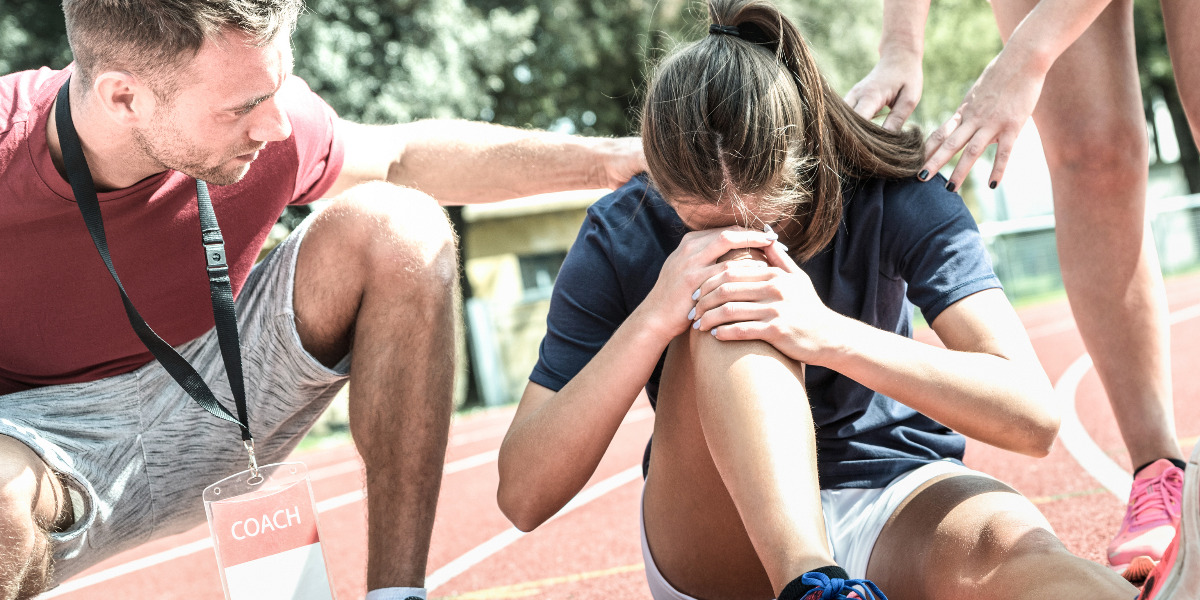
(950, 186)
(923, 175)
(993, 185)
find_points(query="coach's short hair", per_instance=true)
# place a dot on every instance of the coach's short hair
(155, 39)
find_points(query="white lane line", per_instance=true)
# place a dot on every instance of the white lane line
(504, 539)
(350, 466)
(497, 432)
(1076, 439)
(640, 414)
(471, 462)
(206, 543)
(129, 567)
(461, 439)
(489, 548)
(1185, 314)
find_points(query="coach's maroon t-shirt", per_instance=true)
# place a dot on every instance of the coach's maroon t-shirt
(61, 318)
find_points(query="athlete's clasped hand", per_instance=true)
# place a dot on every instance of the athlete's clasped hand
(689, 266)
(774, 302)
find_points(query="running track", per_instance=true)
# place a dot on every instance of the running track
(591, 549)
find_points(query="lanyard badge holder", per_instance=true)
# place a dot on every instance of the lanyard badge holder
(264, 528)
(263, 520)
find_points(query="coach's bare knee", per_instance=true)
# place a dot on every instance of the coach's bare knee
(378, 245)
(30, 499)
(396, 230)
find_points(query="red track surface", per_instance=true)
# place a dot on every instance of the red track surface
(593, 551)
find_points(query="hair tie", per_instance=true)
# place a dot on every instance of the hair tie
(747, 31)
(715, 29)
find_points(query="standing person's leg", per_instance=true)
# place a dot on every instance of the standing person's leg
(1180, 572)
(376, 278)
(969, 536)
(1094, 134)
(732, 506)
(1183, 40)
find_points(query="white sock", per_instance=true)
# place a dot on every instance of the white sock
(396, 593)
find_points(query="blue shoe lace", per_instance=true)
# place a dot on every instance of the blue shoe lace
(840, 588)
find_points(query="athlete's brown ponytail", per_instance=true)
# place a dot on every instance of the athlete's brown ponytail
(746, 112)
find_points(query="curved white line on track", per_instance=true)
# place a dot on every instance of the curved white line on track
(505, 539)
(1076, 439)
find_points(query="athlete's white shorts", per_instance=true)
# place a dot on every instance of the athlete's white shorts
(853, 520)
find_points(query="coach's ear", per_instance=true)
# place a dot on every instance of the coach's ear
(124, 98)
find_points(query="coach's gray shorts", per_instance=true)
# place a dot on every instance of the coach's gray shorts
(138, 451)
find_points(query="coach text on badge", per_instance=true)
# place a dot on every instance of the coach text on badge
(266, 536)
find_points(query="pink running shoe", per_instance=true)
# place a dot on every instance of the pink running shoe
(1177, 575)
(1150, 519)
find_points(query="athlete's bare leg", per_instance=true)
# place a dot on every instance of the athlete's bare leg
(732, 504)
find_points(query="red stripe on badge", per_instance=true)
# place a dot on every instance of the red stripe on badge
(255, 526)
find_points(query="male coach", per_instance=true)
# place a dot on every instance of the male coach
(100, 448)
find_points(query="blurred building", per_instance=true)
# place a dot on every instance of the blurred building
(513, 252)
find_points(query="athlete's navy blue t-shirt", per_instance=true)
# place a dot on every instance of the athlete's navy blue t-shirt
(901, 243)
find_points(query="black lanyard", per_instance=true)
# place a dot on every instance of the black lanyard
(224, 313)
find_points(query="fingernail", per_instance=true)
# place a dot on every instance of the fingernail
(696, 295)
(993, 184)
(771, 235)
(923, 175)
(692, 315)
(950, 186)
(785, 248)
(696, 325)
(713, 331)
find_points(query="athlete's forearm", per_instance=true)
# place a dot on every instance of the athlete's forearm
(994, 399)
(556, 440)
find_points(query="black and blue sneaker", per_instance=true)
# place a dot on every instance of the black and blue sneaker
(830, 583)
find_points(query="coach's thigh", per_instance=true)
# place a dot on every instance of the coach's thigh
(31, 499)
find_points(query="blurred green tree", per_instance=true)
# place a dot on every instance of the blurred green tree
(32, 35)
(401, 60)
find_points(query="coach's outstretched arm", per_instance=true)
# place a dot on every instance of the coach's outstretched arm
(465, 162)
